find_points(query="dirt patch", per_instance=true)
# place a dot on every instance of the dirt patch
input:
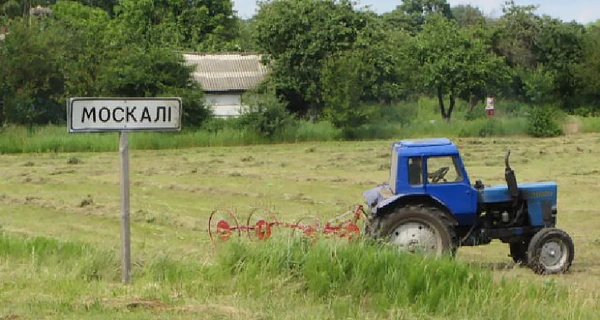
(134, 303)
(217, 308)
(571, 127)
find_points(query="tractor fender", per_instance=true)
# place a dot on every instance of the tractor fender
(385, 206)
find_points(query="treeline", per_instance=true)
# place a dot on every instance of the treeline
(330, 60)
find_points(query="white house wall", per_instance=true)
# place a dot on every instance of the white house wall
(225, 105)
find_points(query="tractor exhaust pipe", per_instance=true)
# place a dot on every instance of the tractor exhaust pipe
(511, 179)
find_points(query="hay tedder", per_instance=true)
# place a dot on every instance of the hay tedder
(223, 224)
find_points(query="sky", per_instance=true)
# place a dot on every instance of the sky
(582, 11)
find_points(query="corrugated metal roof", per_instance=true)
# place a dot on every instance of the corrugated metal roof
(227, 72)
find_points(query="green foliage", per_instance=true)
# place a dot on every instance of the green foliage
(587, 111)
(30, 74)
(328, 58)
(586, 71)
(542, 122)
(538, 86)
(468, 15)
(297, 36)
(78, 52)
(417, 12)
(491, 128)
(343, 86)
(265, 113)
(191, 25)
(455, 62)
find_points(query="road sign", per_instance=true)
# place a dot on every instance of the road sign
(124, 114)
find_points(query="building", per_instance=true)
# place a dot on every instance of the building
(225, 77)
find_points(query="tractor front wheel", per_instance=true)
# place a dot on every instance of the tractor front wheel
(550, 251)
(420, 229)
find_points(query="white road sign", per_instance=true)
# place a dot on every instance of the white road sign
(124, 114)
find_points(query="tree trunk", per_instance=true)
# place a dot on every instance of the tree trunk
(472, 103)
(313, 113)
(440, 95)
(451, 107)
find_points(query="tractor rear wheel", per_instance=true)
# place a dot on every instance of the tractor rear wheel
(421, 229)
(550, 251)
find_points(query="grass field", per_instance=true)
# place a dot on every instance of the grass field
(60, 245)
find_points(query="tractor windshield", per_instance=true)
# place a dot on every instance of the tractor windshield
(443, 169)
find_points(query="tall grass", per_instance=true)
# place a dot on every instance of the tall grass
(74, 260)
(380, 279)
(355, 280)
(407, 120)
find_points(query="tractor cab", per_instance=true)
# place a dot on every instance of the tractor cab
(430, 169)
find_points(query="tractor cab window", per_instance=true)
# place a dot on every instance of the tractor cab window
(443, 169)
(415, 171)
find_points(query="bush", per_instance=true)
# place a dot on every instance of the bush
(542, 122)
(266, 114)
(474, 114)
(587, 111)
(400, 114)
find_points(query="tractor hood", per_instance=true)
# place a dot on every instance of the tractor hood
(530, 191)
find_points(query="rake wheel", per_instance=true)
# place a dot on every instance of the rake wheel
(219, 226)
(310, 229)
(260, 227)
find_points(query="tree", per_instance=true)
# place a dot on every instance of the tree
(182, 24)
(516, 33)
(83, 60)
(467, 15)
(30, 73)
(296, 37)
(559, 48)
(78, 52)
(343, 83)
(454, 63)
(543, 52)
(588, 69)
(416, 12)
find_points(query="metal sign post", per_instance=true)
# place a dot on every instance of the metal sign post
(125, 234)
(124, 115)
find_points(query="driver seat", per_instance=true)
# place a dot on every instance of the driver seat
(414, 173)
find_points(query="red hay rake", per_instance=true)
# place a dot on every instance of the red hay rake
(223, 224)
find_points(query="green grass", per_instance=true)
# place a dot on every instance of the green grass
(56, 139)
(60, 246)
(408, 120)
(267, 280)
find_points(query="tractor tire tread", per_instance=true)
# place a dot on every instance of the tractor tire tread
(535, 246)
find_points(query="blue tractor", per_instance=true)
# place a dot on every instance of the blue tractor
(429, 205)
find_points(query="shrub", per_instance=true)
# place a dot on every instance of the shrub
(587, 111)
(542, 122)
(266, 114)
(476, 113)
